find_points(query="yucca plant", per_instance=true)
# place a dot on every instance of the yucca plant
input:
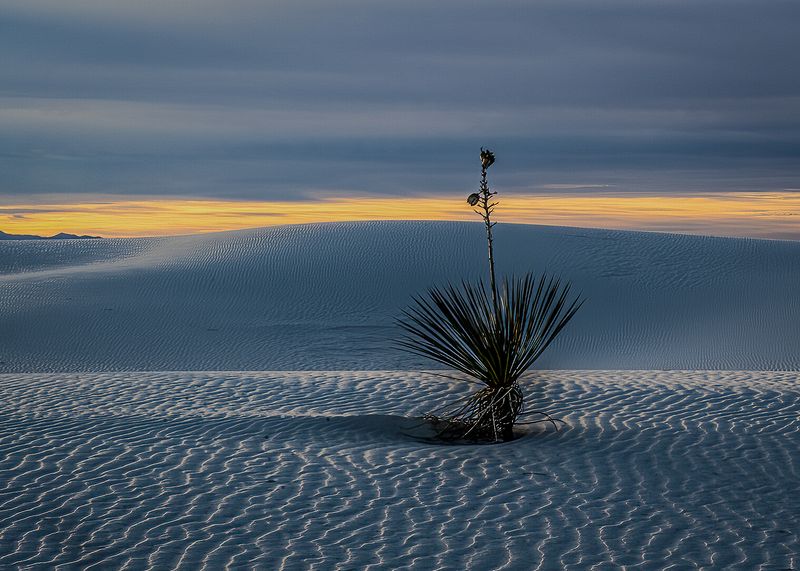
(492, 337)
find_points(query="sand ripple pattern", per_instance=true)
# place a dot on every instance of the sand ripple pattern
(654, 470)
(324, 297)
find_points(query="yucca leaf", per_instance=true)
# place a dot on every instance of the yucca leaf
(460, 327)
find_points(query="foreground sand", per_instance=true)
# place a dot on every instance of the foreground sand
(654, 470)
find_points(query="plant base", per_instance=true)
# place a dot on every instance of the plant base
(486, 416)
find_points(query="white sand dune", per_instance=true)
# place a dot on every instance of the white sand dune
(324, 296)
(653, 470)
(102, 467)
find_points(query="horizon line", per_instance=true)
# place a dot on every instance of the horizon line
(771, 215)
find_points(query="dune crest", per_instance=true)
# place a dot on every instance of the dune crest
(324, 296)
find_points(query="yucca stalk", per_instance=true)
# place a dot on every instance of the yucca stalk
(493, 340)
(487, 205)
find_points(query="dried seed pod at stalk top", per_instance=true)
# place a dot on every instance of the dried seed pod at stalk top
(473, 198)
(487, 158)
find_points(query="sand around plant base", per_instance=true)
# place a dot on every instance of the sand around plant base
(288, 470)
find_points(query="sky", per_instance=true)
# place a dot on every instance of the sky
(242, 105)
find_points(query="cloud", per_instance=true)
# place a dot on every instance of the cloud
(245, 98)
(567, 186)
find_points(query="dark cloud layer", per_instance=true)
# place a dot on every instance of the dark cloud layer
(246, 99)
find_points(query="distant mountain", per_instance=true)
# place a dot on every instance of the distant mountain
(59, 236)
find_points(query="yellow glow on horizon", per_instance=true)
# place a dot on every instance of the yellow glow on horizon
(768, 214)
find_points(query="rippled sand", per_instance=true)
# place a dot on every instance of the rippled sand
(103, 468)
(322, 470)
(324, 297)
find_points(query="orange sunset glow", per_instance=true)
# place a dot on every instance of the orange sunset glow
(767, 215)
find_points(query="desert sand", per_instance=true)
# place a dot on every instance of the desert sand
(324, 296)
(133, 436)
